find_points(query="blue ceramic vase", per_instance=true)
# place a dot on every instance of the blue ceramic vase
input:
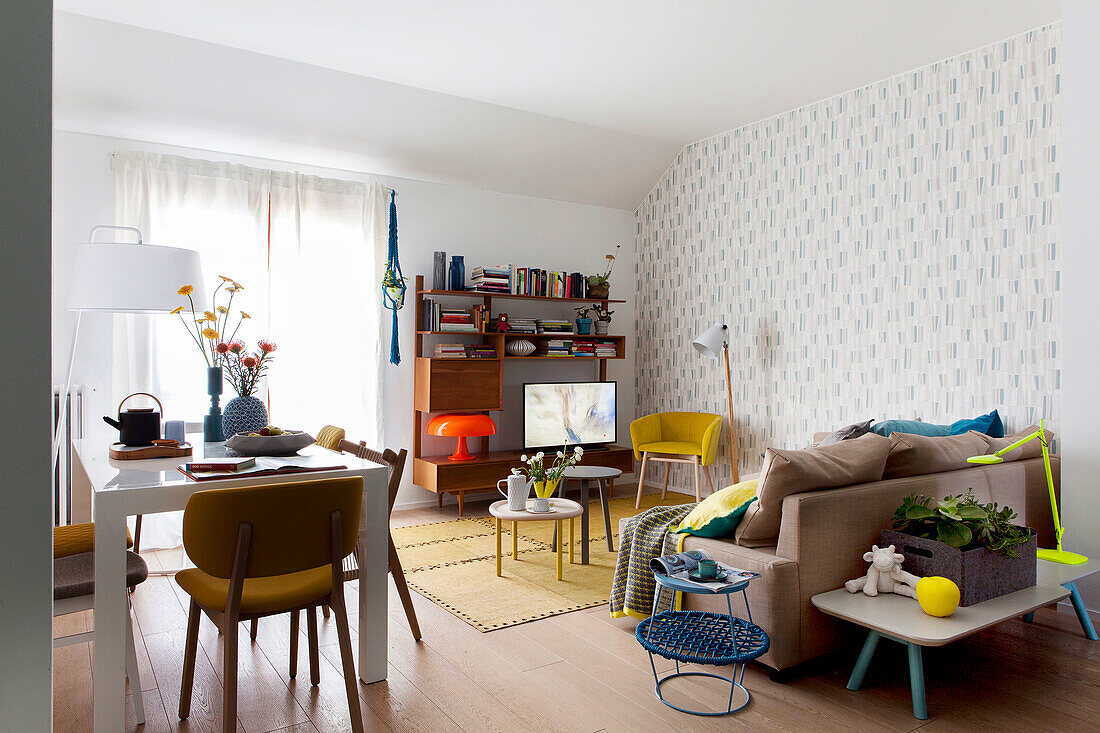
(243, 415)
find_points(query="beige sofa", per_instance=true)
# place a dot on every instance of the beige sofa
(824, 533)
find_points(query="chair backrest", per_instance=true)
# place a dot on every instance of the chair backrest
(394, 461)
(687, 426)
(291, 525)
(329, 437)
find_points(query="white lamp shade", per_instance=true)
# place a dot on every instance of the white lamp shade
(133, 278)
(712, 341)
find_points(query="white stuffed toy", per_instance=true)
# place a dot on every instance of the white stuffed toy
(885, 574)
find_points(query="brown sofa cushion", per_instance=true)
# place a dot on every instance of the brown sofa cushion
(787, 472)
(1031, 449)
(916, 455)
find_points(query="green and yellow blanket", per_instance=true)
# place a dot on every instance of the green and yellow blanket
(645, 537)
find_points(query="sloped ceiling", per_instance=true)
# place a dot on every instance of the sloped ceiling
(575, 100)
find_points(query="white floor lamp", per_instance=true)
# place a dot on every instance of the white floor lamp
(710, 343)
(124, 277)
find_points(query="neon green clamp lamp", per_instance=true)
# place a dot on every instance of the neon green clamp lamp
(1057, 554)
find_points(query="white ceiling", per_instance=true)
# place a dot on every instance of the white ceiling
(651, 74)
(676, 71)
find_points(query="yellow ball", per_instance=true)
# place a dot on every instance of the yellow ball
(938, 596)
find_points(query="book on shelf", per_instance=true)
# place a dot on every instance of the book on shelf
(450, 351)
(481, 351)
(434, 317)
(520, 325)
(554, 326)
(493, 279)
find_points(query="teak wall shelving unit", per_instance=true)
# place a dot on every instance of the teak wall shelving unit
(477, 385)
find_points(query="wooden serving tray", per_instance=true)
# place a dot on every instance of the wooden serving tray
(122, 452)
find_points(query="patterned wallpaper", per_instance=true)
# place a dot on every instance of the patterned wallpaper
(889, 252)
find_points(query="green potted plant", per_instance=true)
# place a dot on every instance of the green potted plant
(603, 318)
(599, 285)
(973, 544)
(584, 323)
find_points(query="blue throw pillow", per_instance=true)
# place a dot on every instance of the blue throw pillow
(989, 424)
(913, 427)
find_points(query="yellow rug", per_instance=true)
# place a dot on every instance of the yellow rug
(453, 564)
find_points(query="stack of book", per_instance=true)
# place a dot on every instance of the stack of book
(435, 317)
(450, 351)
(481, 351)
(584, 347)
(493, 279)
(522, 325)
(548, 283)
(547, 325)
(606, 349)
(559, 347)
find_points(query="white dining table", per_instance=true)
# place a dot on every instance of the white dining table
(120, 489)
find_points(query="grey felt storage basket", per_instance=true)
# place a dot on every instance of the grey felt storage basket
(979, 573)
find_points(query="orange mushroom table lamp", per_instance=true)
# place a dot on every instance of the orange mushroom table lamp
(462, 427)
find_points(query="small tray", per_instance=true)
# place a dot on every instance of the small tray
(121, 452)
(722, 575)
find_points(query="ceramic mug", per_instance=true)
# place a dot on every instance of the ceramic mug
(708, 568)
(175, 430)
(541, 505)
(518, 490)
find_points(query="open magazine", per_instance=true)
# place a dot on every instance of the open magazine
(682, 564)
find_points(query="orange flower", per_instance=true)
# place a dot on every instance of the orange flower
(186, 289)
(210, 334)
(179, 309)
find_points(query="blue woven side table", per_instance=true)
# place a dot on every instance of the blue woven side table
(702, 637)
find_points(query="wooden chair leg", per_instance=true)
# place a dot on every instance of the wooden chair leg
(710, 484)
(314, 660)
(641, 480)
(132, 669)
(324, 610)
(698, 492)
(229, 676)
(398, 574)
(189, 652)
(253, 628)
(294, 633)
(347, 662)
(664, 486)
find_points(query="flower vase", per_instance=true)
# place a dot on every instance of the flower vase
(458, 273)
(599, 292)
(584, 326)
(212, 422)
(244, 415)
(545, 489)
(601, 327)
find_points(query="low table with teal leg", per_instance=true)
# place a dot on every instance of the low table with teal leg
(900, 619)
(1053, 573)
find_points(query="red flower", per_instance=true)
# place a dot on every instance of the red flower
(250, 361)
(236, 347)
(266, 346)
(222, 348)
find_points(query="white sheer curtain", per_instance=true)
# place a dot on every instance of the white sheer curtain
(310, 253)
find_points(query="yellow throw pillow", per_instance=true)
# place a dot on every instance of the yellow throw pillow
(719, 514)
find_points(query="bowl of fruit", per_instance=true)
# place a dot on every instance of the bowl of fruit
(269, 441)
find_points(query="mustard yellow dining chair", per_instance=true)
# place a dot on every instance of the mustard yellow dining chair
(676, 437)
(266, 550)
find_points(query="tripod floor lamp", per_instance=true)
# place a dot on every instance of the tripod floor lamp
(711, 343)
(1057, 554)
(123, 277)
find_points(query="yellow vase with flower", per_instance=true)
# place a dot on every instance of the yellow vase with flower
(545, 489)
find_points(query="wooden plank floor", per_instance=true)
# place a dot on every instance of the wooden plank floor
(577, 672)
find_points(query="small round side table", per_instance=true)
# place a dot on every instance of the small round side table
(561, 509)
(702, 637)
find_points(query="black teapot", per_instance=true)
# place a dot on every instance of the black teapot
(139, 426)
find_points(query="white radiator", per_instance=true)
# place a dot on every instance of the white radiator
(70, 409)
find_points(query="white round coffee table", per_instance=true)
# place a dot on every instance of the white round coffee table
(561, 509)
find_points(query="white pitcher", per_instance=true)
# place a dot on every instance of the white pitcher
(519, 488)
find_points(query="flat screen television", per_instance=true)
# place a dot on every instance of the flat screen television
(568, 413)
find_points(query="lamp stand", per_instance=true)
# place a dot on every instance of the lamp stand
(729, 413)
(1058, 555)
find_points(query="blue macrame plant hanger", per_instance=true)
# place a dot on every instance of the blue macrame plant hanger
(393, 282)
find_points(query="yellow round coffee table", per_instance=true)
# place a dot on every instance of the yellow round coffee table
(560, 510)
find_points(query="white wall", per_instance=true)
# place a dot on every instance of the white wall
(1080, 156)
(26, 575)
(486, 227)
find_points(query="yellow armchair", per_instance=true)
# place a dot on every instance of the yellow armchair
(676, 437)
